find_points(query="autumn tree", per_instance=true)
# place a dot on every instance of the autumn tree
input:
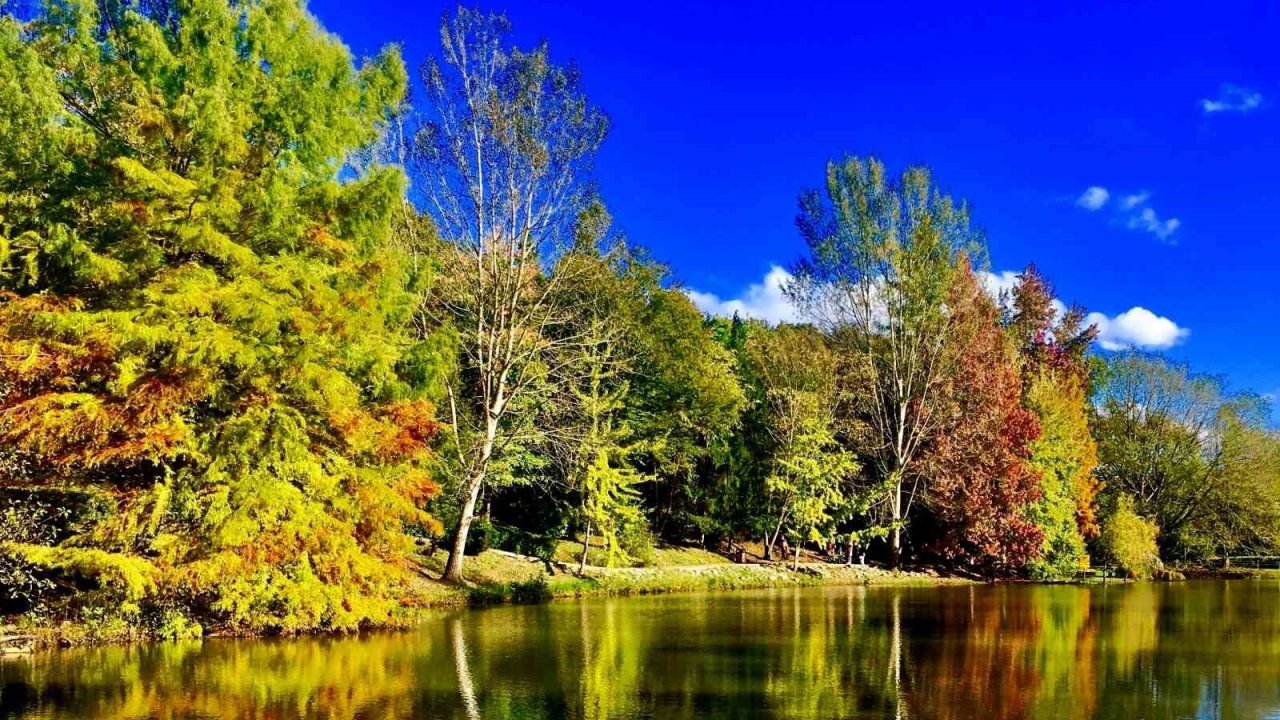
(1052, 343)
(881, 251)
(1048, 334)
(504, 158)
(202, 358)
(982, 486)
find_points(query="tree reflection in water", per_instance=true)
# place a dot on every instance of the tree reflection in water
(1197, 649)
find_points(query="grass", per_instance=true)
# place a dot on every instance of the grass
(495, 577)
(569, 552)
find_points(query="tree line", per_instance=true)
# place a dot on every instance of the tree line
(269, 334)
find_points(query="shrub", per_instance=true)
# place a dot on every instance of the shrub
(636, 540)
(483, 536)
(1130, 540)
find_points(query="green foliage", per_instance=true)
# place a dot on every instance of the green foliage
(1130, 540)
(1178, 443)
(881, 253)
(811, 480)
(610, 504)
(638, 542)
(201, 319)
(1064, 456)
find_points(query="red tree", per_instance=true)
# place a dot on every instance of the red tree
(1048, 339)
(981, 484)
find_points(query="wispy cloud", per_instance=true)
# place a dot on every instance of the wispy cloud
(1093, 198)
(1232, 99)
(1146, 219)
(1132, 201)
(1135, 211)
(761, 301)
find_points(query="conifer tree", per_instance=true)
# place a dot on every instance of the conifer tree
(201, 344)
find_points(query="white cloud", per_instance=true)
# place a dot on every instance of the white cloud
(1233, 98)
(1148, 220)
(1133, 210)
(996, 283)
(1132, 201)
(762, 301)
(1093, 198)
(1137, 327)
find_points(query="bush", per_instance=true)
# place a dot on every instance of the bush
(483, 536)
(1130, 540)
(636, 540)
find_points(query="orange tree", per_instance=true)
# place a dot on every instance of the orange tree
(982, 487)
(205, 402)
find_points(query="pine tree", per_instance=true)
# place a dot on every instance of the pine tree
(201, 345)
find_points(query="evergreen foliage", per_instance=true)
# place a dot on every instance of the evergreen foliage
(203, 353)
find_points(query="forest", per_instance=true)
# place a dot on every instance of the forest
(274, 328)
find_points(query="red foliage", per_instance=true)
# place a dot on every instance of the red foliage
(980, 482)
(1046, 340)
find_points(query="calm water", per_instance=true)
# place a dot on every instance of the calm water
(1187, 650)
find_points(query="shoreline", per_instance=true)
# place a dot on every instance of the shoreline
(507, 578)
(511, 579)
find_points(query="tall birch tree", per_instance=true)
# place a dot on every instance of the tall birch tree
(504, 163)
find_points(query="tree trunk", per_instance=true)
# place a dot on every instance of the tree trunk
(895, 550)
(768, 548)
(849, 562)
(777, 532)
(457, 550)
(586, 543)
(458, 545)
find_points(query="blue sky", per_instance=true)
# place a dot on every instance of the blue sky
(1130, 150)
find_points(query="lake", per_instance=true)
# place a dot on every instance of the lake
(1200, 649)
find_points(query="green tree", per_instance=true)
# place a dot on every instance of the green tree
(592, 439)
(1242, 508)
(1164, 440)
(201, 348)
(1130, 539)
(686, 401)
(1064, 456)
(811, 475)
(881, 254)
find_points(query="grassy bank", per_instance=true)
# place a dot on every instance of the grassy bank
(495, 576)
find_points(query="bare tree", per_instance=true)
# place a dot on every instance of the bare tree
(504, 163)
(881, 253)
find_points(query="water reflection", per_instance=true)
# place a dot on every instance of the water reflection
(1190, 650)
